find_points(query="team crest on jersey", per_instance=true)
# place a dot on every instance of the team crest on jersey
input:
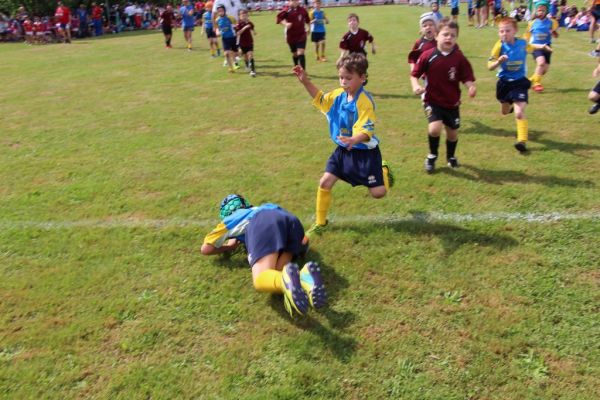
(452, 74)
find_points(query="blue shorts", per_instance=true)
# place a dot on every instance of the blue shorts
(188, 28)
(512, 91)
(229, 44)
(273, 231)
(357, 167)
(317, 37)
(596, 12)
(454, 11)
(597, 88)
(537, 53)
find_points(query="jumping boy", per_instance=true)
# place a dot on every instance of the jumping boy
(244, 32)
(355, 40)
(225, 30)
(444, 67)
(273, 238)
(510, 56)
(540, 31)
(350, 112)
(317, 36)
(296, 20)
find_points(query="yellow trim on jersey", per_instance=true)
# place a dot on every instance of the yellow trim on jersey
(217, 236)
(366, 117)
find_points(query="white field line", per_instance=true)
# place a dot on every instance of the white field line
(499, 217)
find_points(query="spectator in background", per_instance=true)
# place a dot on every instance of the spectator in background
(82, 14)
(62, 17)
(97, 19)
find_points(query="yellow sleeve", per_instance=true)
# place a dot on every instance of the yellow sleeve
(530, 48)
(527, 34)
(311, 15)
(217, 236)
(554, 24)
(324, 101)
(495, 53)
(232, 20)
(366, 117)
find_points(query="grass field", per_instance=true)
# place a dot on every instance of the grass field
(479, 283)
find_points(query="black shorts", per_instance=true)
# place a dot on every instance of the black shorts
(230, 44)
(297, 45)
(357, 167)
(210, 33)
(596, 12)
(317, 37)
(450, 117)
(497, 11)
(167, 30)
(537, 53)
(597, 88)
(480, 3)
(246, 49)
(512, 91)
(188, 28)
(454, 11)
(273, 231)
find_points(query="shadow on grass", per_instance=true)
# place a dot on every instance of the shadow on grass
(534, 136)
(500, 177)
(391, 96)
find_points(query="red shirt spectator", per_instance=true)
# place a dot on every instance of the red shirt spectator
(28, 26)
(97, 12)
(297, 17)
(356, 42)
(63, 14)
(444, 73)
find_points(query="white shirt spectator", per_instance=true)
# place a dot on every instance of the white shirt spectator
(232, 7)
(130, 10)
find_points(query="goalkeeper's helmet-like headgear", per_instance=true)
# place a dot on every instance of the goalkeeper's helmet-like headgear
(232, 203)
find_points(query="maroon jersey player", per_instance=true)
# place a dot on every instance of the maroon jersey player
(296, 21)
(356, 39)
(444, 67)
(244, 31)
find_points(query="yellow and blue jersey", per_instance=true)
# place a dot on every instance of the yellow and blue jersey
(516, 66)
(225, 24)
(539, 31)
(317, 18)
(234, 226)
(348, 118)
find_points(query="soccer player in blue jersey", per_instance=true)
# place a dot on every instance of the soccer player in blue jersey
(273, 237)
(454, 11)
(208, 28)
(350, 111)
(225, 24)
(317, 23)
(188, 20)
(540, 31)
(510, 56)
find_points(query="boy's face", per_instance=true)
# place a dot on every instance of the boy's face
(220, 12)
(541, 11)
(507, 32)
(352, 23)
(350, 81)
(435, 7)
(244, 16)
(317, 4)
(446, 39)
(294, 3)
(428, 29)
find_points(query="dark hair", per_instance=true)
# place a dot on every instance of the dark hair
(447, 22)
(352, 15)
(354, 63)
(223, 7)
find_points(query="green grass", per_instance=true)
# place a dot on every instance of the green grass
(115, 153)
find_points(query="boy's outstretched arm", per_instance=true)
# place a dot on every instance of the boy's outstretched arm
(493, 64)
(209, 250)
(303, 78)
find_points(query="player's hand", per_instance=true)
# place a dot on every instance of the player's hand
(502, 58)
(288, 25)
(555, 34)
(349, 141)
(548, 48)
(373, 50)
(596, 72)
(472, 91)
(299, 72)
(419, 91)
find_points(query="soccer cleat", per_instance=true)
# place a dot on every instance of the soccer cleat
(236, 66)
(312, 283)
(316, 229)
(386, 165)
(538, 88)
(324, 59)
(594, 109)
(253, 74)
(430, 163)
(521, 147)
(294, 297)
(594, 53)
(231, 71)
(453, 162)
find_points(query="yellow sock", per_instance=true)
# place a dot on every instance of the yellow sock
(269, 281)
(522, 130)
(386, 179)
(323, 204)
(535, 79)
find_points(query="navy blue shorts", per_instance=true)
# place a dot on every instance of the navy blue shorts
(273, 231)
(297, 45)
(597, 88)
(357, 167)
(317, 37)
(229, 44)
(188, 28)
(210, 33)
(537, 53)
(513, 91)
(596, 12)
(450, 117)
(454, 11)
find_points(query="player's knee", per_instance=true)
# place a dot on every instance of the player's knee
(378, 192)
(593, 96)
(519, 114)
